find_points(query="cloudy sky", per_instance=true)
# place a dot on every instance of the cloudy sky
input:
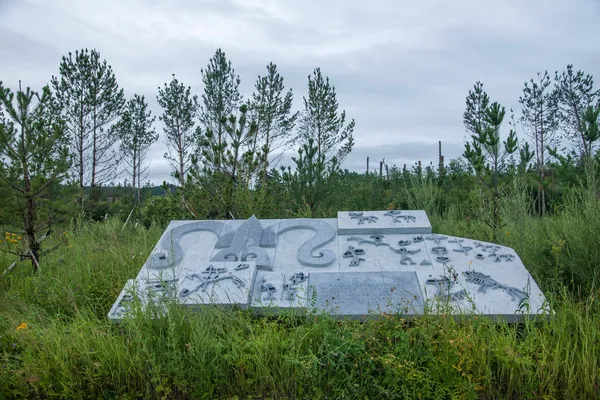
(401, 69)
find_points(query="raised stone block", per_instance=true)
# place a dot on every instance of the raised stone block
(383, 222)
(480, 278)
(219, 283)
(381, 252)
(306, 244)
(359, 294)
(274, 292)
(252, 240)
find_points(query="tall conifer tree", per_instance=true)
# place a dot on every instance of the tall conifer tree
(272, 107)
(220, 99)
(180, 109)
(539, 120)
(575, 92)
(89, 99)
(136, 131)
(321, 122)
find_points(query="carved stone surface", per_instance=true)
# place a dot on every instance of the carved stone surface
(275, 292)
(400, 216)
(387, 222)
(361, 218)
(359, 294)
(355, 255)
(218, 283)
(375, 240)
(486, 282)
(309, 253)
(172, 253)
(444, 288)
(245, 245)
(268, 265)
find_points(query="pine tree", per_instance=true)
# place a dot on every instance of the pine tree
(90, 99)
(488, 155)
(308, 183)
(321, 122)
(34, 150)
(72, 93)
(591, 120)
(477, 105)
(274, 117)
(136, 132)
(220, 99)
(575, 92)
(179, 111)
(538, 117)
(239, 161)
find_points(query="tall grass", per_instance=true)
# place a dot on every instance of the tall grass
(69, 349)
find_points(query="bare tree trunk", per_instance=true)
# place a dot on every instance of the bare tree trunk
(543, 166)
(30, 215)
(134, 175)
(80, 138)
(139, 177)
(266, 156)
(181, 164)
(94, 151)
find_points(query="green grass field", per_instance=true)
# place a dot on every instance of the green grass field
(56, 342)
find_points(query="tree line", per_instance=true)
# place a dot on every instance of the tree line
(81, 132)
(61, 146)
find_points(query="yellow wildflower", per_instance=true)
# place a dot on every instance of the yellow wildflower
(507, 233)
(22, 326)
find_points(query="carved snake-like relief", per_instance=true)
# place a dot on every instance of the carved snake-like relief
(172, 253)
(324, 233)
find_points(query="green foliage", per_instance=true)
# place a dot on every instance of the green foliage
(160, 210)
(590, 121)
(539, 118)
(477, 105)
(55, 340)
(321, 123)
(488, 156)
(309, 182)
(228, 167)
(274, 117)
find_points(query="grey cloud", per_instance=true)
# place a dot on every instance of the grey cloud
(401, 71)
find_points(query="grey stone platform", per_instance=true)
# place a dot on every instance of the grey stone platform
(358, 265)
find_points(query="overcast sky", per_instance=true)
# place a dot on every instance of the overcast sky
(401, 69)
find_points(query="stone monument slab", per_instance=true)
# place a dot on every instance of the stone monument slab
(220, 283)
(355, 265)
(275, 291)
